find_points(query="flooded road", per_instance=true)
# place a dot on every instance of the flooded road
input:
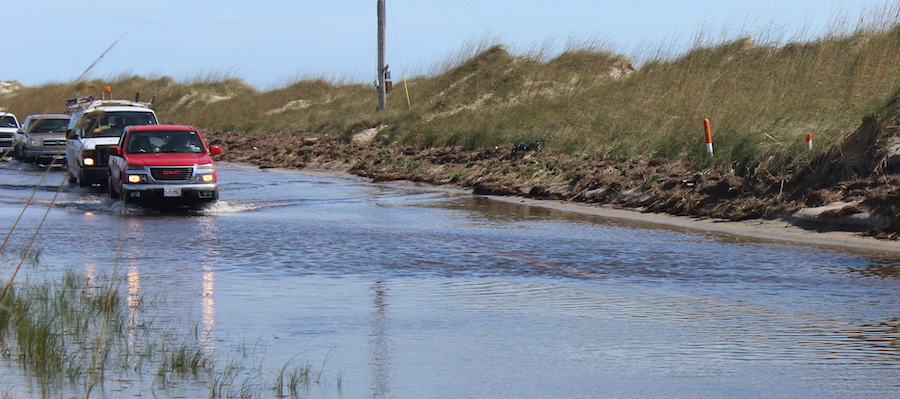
(398, 291)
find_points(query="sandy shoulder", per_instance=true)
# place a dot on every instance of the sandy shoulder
(762, 230)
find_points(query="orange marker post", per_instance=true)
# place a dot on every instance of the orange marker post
(706, 128)
(809, 142)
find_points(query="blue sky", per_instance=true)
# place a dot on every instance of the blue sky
(271, 43)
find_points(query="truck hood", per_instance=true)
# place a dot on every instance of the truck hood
(48, 135)
(90, 143)
(167, 159)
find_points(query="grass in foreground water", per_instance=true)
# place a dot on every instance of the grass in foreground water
(76, 335)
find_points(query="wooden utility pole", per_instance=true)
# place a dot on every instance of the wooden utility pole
(382, 68)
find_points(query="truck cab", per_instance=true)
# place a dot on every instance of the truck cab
(94, 127)
(163, 164)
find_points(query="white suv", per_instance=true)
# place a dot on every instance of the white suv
(8, 127)
(95, 126)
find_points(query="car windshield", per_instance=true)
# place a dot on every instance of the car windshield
(8, 121)
(164, 141)
(111, 124)
(48, 125)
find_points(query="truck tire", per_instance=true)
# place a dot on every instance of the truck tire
(125, 197)
(17, 154)
(81, 182)
(113, 194)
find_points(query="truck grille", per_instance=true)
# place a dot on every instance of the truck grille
(102, 154)
(51, 143)
(171, 174)
(6, 140)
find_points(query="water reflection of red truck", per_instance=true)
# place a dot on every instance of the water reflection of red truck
(163, 164)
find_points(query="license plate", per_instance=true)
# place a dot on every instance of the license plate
(172, 191)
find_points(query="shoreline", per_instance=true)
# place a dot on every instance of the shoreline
(655, 190)
(762, 230)
(776, 230)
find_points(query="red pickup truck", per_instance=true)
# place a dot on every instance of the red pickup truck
(163, 164)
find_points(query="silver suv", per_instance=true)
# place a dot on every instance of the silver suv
(42, 139)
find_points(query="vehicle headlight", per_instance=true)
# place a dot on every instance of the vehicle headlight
(134, 179)
(34, 143)
(206, 173)
(87, 158)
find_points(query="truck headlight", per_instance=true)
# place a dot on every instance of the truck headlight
(206, 173)
(87, 158)
(135, 178)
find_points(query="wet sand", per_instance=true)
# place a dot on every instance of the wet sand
(761, 229)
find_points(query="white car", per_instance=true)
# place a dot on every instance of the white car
(8, 127)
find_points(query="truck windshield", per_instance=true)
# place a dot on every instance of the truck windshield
(168, 141)
(49, 125)
(8, 121)
(111, 124)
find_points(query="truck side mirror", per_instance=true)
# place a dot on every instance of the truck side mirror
(115, 150)
(70, 134)
(215, 150)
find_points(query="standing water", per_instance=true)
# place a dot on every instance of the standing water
(399, 291)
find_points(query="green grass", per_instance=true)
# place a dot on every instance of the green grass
(75, 333)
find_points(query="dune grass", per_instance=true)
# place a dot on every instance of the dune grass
(762, 99)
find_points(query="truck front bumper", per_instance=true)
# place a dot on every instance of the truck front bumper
(170, 193)
(45, 154)
(94, 175)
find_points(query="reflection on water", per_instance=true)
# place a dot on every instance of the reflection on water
(133, 303)
(209, 310)
(881, 270)
(406, 291)
(380, 343)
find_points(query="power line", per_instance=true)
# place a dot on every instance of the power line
(477, 17)
(450, 20)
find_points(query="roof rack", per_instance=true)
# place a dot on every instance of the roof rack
(78, 103)
(84, 102)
